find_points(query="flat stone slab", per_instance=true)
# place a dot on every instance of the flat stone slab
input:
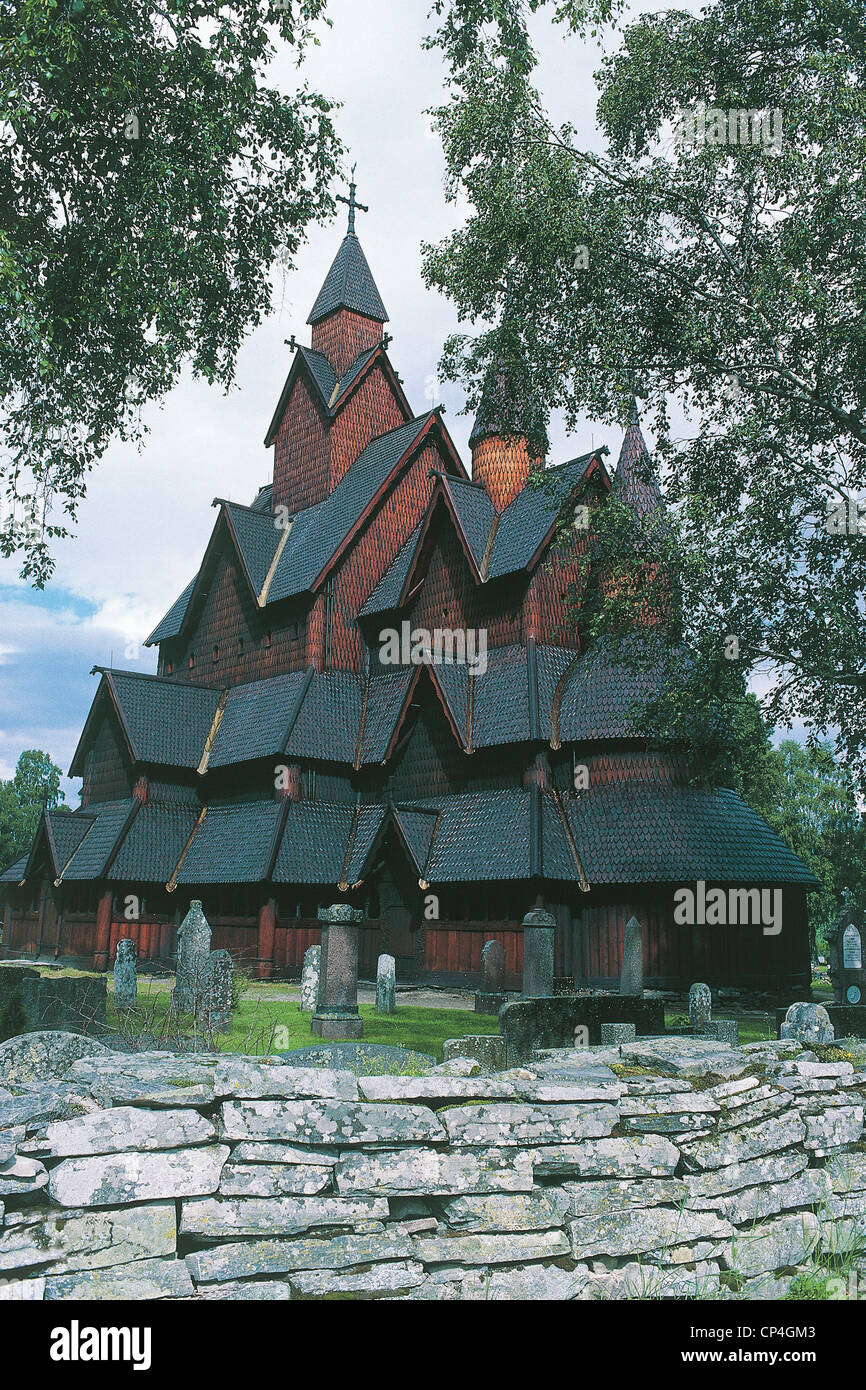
(393, 1277)
(773, 1245)
(697, 1057)
(634, 1232)
(329, 1122)
(645, 1155)
(273, 1179)
(243, 1260)
(477, 1126)
(41, 1056)
(436, 1088)
(364, 1059)
(598, 1197)
(110, 1180)
(126, 1128)
(220, 1217)
(245, 1080)
(808, 1189)
(504, 1211)
(424, 1172)
(144, 1279)
(497, 1248)
(65, 1241)
(750, 1141)
(768, 1168)
(266, 1152)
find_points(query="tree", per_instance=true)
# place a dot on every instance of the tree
(806, 796)
(36, 784)
(715, 263)
(148, 179)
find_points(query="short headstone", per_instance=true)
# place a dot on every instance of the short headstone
(125, 981)
(489, 1050)
(726, 1030)
(386, 985)
(808, 1023)
(219, 987)
(193, 952)
(612, 1034)
(631, 977)
(493, 968)
(700, 1007)
(310, 979)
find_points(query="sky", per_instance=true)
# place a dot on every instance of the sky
(144, 525)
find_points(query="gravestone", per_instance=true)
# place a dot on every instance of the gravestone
(386, 985)
(491, 996)
(700, 1007)
(193, 952)
(310, 979)
(125, 981)
(631, 976)
(539, 929)
(808, 1023)
(612, 1034)
(336, 1013)
(530, 1024)
(852, 963)
(218, 991)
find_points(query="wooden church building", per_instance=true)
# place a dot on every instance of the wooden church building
(301, 743)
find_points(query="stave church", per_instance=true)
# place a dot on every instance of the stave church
(373, 690)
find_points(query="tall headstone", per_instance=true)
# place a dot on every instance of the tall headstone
(852, 963)
(310, 979)
(700, 1007)
(386, 985)
(493, 968)
(336, 1013)
(125, 981)
(193, 952)
(631, 976)
(539, 930)
(217, 996)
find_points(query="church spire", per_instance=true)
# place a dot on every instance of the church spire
(635, 482)
(502, 450)
(348, 314)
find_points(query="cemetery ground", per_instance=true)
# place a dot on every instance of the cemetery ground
(425, 1017)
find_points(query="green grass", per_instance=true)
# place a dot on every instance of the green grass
(255, 1020)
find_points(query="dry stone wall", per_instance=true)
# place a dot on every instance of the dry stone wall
(662, 1168)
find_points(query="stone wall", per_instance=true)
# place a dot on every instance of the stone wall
(74, 1003)
(663, 1168)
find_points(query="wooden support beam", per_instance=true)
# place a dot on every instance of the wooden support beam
(103, 931)
(267, 926)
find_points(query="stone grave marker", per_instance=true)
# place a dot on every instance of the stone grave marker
(808, 1023)
(700, 1007)
(193, 953)
(538, 938)
(217, 995)
(310, 979)
(336, 1013)
(125, 980)
(491, 996)
(631, 976)
(386, 985)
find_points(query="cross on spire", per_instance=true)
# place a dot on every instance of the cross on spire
(352, 202)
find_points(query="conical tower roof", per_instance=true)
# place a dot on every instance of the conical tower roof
(349, 284)
(635, 482)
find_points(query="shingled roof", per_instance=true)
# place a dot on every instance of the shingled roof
(349, 284)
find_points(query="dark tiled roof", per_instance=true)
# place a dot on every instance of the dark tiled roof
(172, 623)
(166, 722)
(328, 722)
(418, 829)
(505, 408)
(453, 684)
(606, 693)
(480, 836)
(66, 832)
(386, 594)
(501, 713)
(385, 699)
(475, 512)
(15, 872)
(635, 482)
(318, 532)
(651, 833)
(350, 375)
(257, 536)
(321, 371)
(262, 501)
(349, 284)
(89, 860)
(368, 823)
(314, 843)
(256, 719)
(232, 844)
(155, 842)
(527, 520)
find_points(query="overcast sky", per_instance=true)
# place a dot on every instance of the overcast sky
(146, 521)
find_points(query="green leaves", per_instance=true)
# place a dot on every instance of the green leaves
(149, 180)
(723, 275)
